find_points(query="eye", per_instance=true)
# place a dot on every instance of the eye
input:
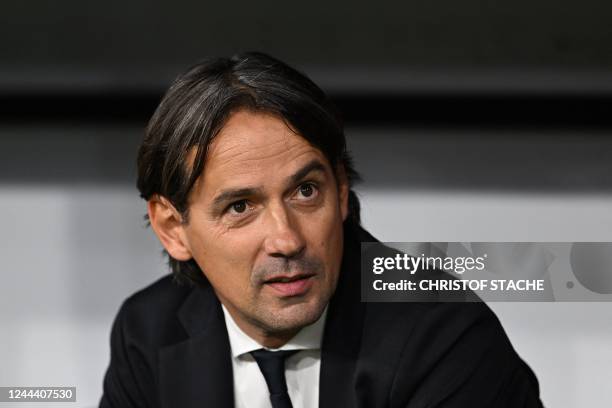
(239, 207)
(307, 191)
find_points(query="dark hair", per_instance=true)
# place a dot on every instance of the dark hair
(198, 104)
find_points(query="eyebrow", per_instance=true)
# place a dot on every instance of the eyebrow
(234, 194)
(238, 193)
(313, 165)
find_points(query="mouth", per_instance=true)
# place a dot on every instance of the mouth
(285, 285)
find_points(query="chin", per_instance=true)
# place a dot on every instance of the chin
(294, 317)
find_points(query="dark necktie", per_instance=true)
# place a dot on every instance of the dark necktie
(272, 366)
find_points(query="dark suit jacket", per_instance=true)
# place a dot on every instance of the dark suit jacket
(169, 348)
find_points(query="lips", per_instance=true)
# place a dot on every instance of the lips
(295, 285)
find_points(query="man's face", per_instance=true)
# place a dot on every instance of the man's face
(265, 223)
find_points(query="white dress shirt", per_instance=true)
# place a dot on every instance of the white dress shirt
(301, 369)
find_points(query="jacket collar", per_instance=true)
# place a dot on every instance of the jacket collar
(198, 371)
(343, 330)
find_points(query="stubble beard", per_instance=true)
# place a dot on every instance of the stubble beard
(286, 319)
(283, 316)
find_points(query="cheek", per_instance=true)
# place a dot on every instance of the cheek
(226, 260)
(325, 235)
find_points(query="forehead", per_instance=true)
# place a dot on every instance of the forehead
(255, 146)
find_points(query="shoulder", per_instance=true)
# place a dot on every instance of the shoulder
(410, 319)
(438, 350)
(163, 293)
(414, 319)
(150, 314)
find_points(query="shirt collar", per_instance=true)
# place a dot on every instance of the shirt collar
(308, 337)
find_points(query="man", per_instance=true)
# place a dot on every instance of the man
(248, 186)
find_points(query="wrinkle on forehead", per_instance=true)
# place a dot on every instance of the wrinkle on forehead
(250, 137)
(253, 132)
(230, 142)
(253, 142)
(243, 151)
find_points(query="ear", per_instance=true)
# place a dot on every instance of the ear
(168, 225)
(343, 190)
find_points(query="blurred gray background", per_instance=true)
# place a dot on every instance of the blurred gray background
(470, 121)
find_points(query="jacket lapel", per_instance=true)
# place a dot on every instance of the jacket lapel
(342, 336)
(198, 371)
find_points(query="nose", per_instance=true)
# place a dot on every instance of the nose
(283, 238)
